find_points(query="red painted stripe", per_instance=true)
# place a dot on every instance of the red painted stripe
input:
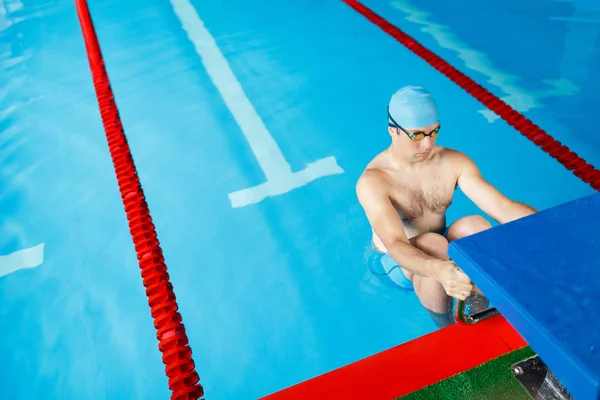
(412, 366)
(557, 150)
(173, 341)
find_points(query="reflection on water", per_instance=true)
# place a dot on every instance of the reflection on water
(543, 66)
(80, 314)
(516, 95)
(15, 100)
(6, 8)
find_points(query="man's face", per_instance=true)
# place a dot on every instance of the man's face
(418, 142)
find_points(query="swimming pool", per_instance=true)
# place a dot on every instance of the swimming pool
(272, 290)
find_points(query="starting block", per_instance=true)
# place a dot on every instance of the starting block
(542, 273)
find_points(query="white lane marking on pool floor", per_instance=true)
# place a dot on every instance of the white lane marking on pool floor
(279, 176)
(21, 259)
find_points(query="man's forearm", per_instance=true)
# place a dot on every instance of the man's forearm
(516, 210)
(413, 259)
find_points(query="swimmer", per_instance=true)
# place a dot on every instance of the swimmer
(405, 192)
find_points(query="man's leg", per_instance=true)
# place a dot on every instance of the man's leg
(463, 227)
(467, 226)
(430, 292)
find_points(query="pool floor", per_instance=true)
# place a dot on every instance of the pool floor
(249, 124)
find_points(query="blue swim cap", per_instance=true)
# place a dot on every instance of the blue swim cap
(413, 107)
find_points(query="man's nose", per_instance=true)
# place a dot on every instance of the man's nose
(426, 143)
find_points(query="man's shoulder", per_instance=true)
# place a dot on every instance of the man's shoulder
(372, 177)
(450, 152)
(374, 171)
(372, 185)
(453, 157)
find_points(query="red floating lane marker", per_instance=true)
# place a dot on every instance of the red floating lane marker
(173, 341)
(580, 168)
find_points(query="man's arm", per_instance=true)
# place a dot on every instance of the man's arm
(485, 196)
(387, 225)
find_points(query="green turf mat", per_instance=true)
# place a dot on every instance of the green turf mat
(490, 381)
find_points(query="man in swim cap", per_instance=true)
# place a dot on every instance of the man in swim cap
(405, 192)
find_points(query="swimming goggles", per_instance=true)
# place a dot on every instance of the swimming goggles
(414, 136)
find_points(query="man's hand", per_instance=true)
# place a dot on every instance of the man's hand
(455, 282)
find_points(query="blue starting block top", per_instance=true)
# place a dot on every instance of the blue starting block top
(542, 273)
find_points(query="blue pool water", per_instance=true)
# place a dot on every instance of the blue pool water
(273, 290)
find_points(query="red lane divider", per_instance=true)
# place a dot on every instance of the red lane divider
(173, 341)
(557, 150)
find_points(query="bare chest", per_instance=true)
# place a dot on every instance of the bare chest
(430, 198)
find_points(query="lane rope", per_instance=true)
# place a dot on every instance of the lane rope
(580, 168)
(173, 343)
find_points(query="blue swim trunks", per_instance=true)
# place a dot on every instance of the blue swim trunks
(383, 265)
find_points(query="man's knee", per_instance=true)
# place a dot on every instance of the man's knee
(432, 243)
(467, 226)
